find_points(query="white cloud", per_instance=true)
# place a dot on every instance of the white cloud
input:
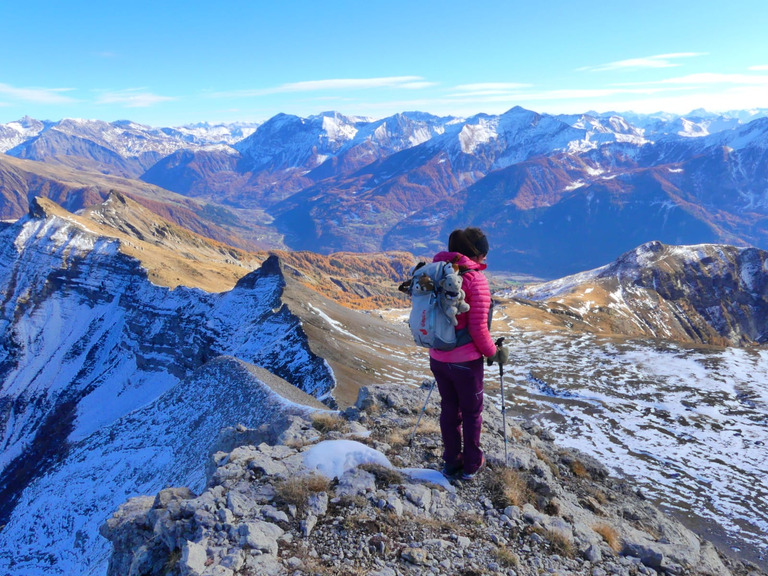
(37, 95)
(761, 68)
(657, 61)
(132, 98)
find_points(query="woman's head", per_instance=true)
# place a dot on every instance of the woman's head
(470, 241)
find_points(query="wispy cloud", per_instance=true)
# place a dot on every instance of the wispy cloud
(482, 89)
(398, 82)
(132, 98)
(37, 95)
(761, 68)
(490, 86)
(657, 61)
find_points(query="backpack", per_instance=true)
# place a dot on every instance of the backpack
(436, 298)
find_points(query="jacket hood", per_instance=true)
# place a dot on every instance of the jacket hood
(458, 258)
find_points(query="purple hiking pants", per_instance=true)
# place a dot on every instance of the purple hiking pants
(461, 411)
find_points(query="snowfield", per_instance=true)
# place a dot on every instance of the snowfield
(689, 426)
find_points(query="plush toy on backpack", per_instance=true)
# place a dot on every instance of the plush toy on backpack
(452, 301)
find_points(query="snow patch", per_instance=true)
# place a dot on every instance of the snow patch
(473, 135)
(334, 457)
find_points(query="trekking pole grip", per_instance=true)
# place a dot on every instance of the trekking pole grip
(499, 342)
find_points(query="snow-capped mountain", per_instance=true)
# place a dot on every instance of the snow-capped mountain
(551, 187)
(695, 124)
(87, 341)
(14, 133)
(123, 148)
(207, 134)
(290, 142)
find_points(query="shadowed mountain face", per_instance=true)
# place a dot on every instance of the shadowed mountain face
(557, 194)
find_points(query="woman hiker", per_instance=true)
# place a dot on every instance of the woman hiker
(459, 372)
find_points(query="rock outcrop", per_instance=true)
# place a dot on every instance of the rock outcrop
(350, 494)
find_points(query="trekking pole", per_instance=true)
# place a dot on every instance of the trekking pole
(410, 442)
(499, 342)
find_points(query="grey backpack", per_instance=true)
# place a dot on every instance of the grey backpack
(436, 298)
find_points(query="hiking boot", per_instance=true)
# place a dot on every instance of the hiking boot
(466, 476)
(452, 470)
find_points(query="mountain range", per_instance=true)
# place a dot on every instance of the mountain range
(556, 194)
(153, 280)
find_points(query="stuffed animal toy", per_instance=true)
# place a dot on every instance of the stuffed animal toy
(425, 284)
(452, 300)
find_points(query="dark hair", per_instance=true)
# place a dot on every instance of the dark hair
(470, 241)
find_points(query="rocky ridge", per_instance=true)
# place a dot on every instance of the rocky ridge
(702, 294)
(266, 510)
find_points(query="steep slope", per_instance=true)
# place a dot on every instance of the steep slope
(171, 254)
(86, 338)
(207, 173)
(706, 294)
(166, 441)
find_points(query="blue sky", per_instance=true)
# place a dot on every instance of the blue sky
(168, 62)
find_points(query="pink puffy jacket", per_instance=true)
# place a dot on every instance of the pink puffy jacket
(478, 296)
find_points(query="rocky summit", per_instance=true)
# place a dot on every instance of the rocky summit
(358, 492)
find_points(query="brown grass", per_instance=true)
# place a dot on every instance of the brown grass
(401, 436)
(544, 458)
(610, 535)
(599, 495)
(559, 542)
(506, 557)
(384, 476)
(396, 438)
(579, 470)
(328, 422)
(427, 426)
(507, 487)
(297, 490)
